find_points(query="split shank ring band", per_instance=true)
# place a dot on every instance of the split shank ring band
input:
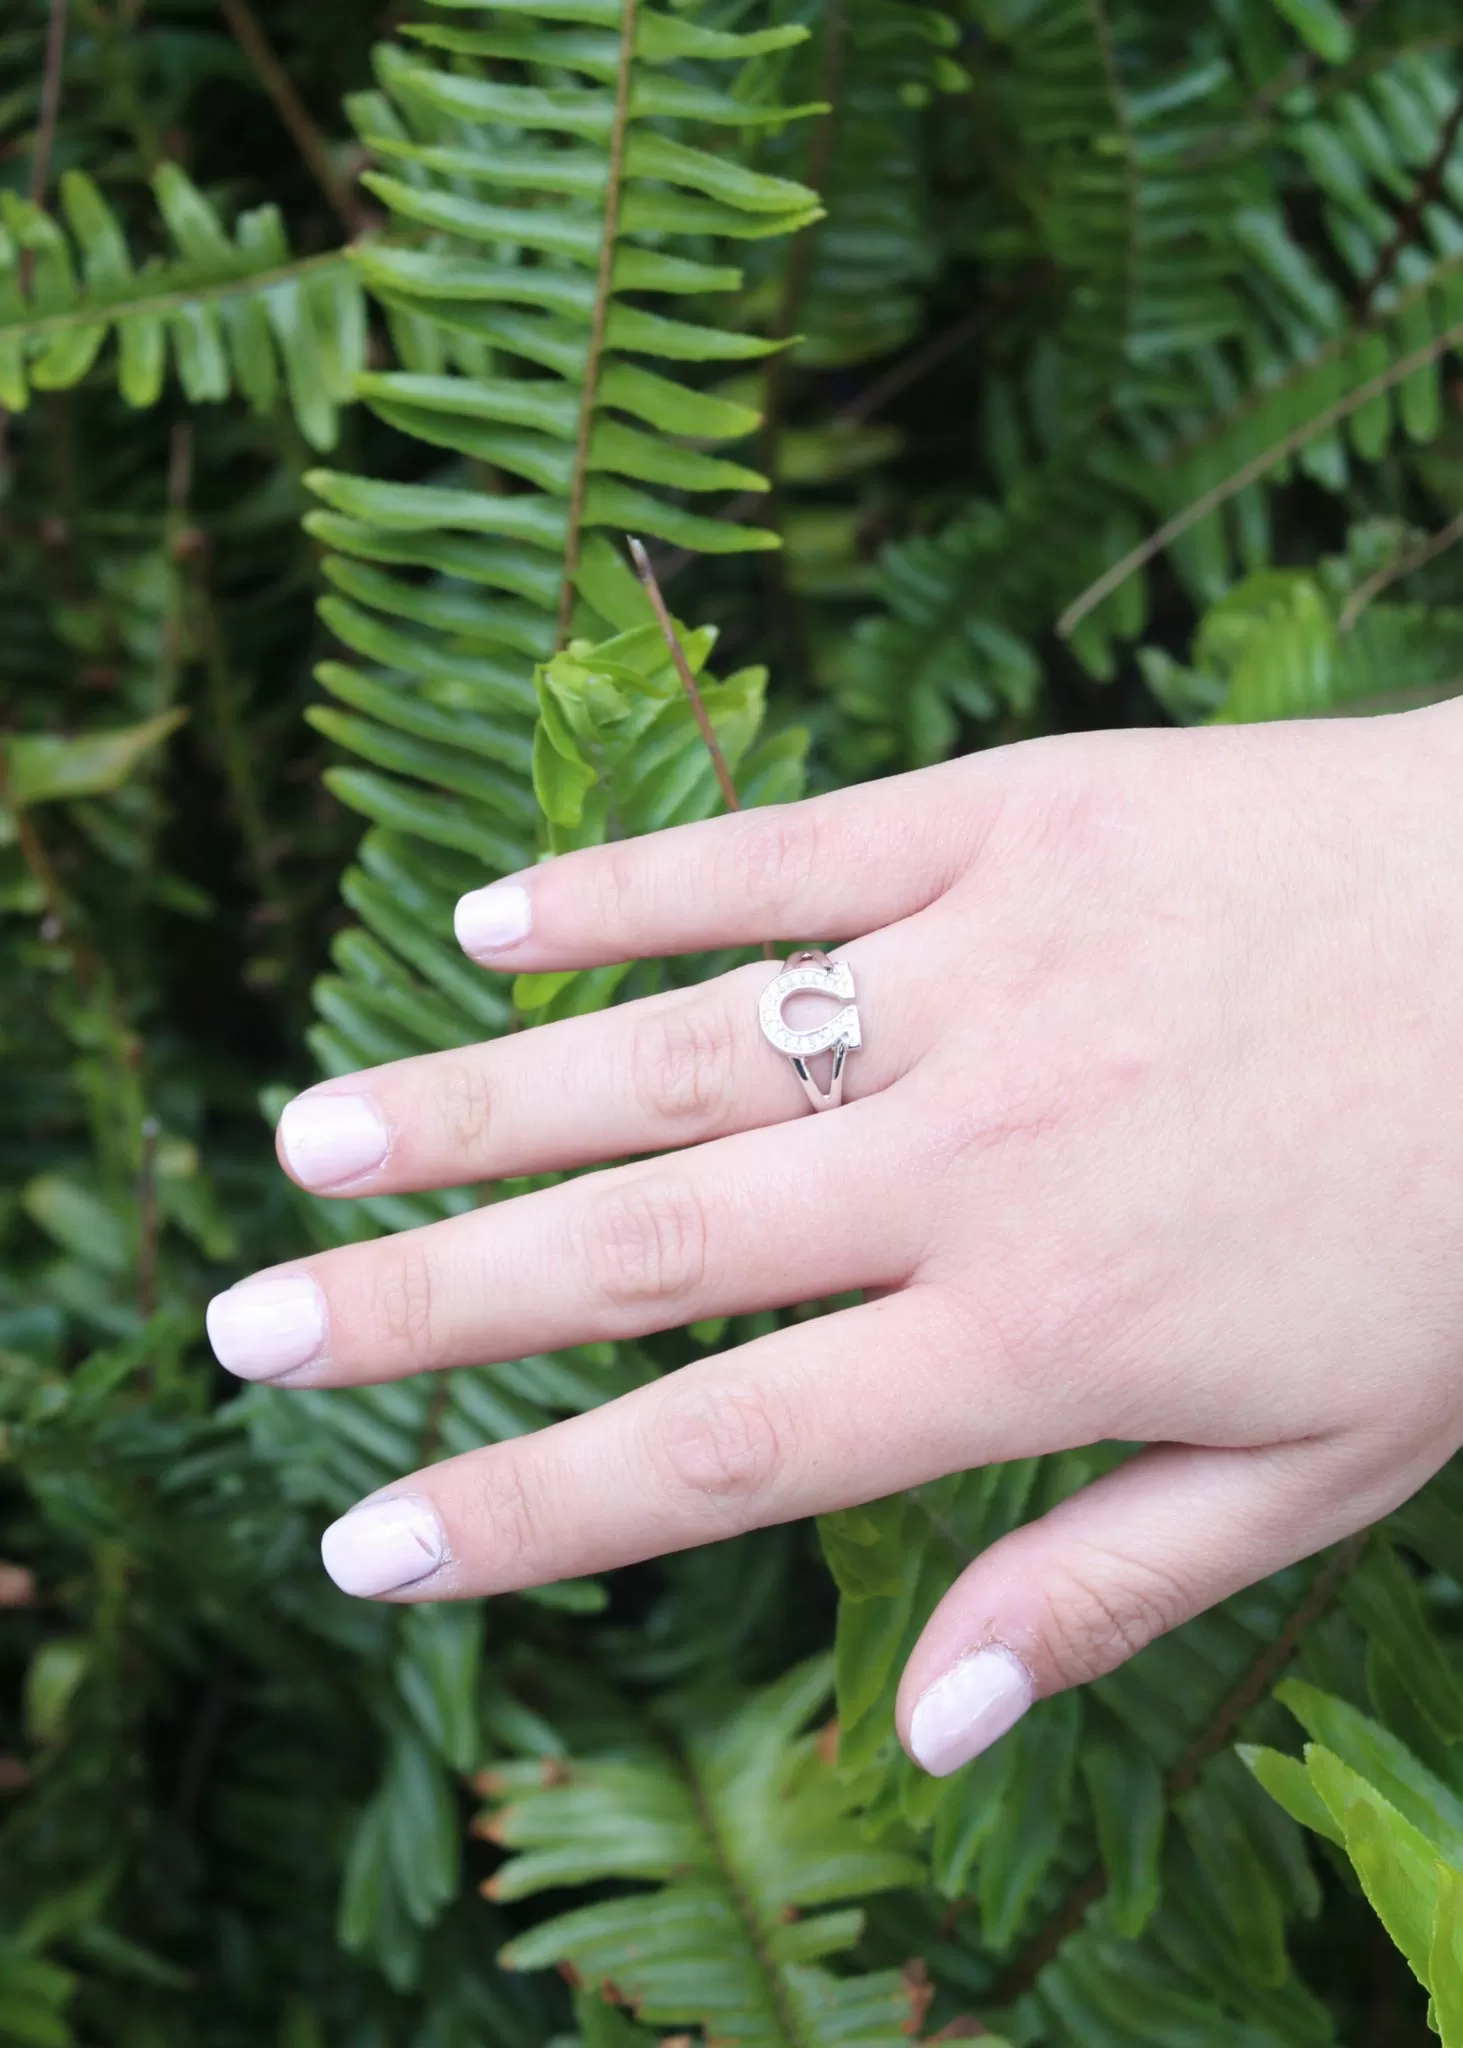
(812, 972)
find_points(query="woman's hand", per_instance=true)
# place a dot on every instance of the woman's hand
(1156, 1133)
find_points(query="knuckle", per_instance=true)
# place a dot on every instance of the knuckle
(403, 1300)
(609, 883)
(682, 1064)
(1102, 1607)
(776, 857)
(467, 1106)
(509, 1531)
(646, 1242)
(717, 1445)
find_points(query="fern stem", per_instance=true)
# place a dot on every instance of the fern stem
(1250, 472)
(159, 304)
(50, 110)
(603, 285)
(147, 1219)
(1265, 394)
(292, 111)
(40, 164)
(1428, 186)
(800, 259)
(1252, 1688)
(1301, 67)
(1416, 558)
(672, 640)
(782, 2006)
(1107, 53)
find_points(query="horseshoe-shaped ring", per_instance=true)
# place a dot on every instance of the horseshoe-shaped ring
(840, 1034)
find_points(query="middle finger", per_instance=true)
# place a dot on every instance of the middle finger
(759, 1220)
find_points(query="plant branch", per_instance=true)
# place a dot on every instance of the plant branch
(50, 114)
(789, 2020)
(1416, 558)
(1252, 1688)
(1295, 73)
(40, 166)
(162, 303)
(1427, 191)
(292, 112)
(604, 286)
(1102, 34)
(683, 669)
(1442, 273)
(800, 258)
(50, 109)
(969, 327)
(147, 1220)
(1250, 472)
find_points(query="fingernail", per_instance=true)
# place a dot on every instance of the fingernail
(330, 1139)
(266, 1327)
(968, 1709)
(492, 919)
(383, 1546)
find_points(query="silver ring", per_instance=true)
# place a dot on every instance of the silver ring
(813, 972)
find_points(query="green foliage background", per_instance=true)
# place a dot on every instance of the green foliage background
(973, 372)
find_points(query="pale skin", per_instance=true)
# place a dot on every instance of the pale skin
(1155, 1135)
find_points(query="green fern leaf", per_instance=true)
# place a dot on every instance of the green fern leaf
(750, 1840)
(233, 313)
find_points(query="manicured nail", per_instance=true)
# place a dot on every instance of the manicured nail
(331, 1139)
(268, 1326)
(968, 1709)
(492, 919)
(384, 1545)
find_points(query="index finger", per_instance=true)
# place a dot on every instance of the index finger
(832, 867)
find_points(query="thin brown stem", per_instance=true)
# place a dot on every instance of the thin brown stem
(1112, 75)
(800, 260)
(1252, 1688)
(604, 286)
(1417, 558)
(40, 166)
(292, 111)
(50, 114)
(672, 640)
(1285, 81)
(969, 327)
(683, 669)
(147, 1219)
(1250, 472)
(1428, 186)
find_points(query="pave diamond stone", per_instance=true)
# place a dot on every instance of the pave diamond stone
(831, 978)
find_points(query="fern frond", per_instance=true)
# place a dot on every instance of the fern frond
(758, 1861)
(1399, 1824)
(234, 312)
(1293, 643)
(557, 289)
(1325, 378)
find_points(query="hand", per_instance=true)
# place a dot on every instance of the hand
(1156, 1134)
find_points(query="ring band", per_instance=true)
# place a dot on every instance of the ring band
(812, 972)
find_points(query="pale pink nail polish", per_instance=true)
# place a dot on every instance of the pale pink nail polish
(384, 1545)
(268, 1326)
(330, 1140)
(491, 920)
(968, 1709)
